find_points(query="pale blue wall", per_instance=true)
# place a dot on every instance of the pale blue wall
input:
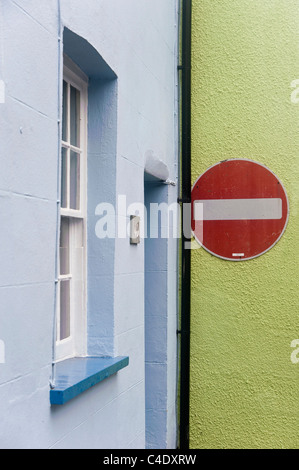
(101, 176)
(160, 313)
(137, 40)
(102, 134)
(156, 319)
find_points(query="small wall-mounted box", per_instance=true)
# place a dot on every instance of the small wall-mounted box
(134, 229)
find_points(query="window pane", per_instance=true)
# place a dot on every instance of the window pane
(74, 181)
(65, 326)
(64, 247)
(63, 197)
(64, 112)
(75, 116)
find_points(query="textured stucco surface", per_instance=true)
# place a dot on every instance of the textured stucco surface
(244, 387)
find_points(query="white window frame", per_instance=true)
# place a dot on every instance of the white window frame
(76, 343)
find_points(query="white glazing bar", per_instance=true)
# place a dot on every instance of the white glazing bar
(238, 209)
(2, 92)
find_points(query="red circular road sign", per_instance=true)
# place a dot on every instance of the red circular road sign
(239, 209)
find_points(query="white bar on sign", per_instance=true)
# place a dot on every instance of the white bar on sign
(238, 209)
(198, 210)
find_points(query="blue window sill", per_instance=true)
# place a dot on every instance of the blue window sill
(74, 376)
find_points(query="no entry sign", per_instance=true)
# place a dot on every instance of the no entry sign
(239, 209)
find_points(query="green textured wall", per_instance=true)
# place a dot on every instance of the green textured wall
(244, 388)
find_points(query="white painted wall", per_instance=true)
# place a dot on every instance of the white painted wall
(138, 40)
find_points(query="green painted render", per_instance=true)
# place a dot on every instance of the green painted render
(244, 390)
